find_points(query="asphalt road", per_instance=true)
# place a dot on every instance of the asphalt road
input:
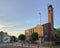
(20, 45)
(15, 45)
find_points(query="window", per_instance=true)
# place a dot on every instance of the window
(46, 36)
(49, 11)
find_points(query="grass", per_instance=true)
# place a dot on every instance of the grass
(52, 46)
(57, 46)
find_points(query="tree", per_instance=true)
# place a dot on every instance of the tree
(21, 37)
(13, 39)
(57, 33)
(34, 36)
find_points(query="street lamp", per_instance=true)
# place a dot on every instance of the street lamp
(40, 29)
(40, 17)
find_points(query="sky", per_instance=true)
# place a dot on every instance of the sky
(18, 15)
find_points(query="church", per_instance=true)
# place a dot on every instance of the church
(45, 31)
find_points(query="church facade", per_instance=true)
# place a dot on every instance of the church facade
(46, 31)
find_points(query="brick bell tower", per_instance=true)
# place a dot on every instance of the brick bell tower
(50, 15)
(50, 21)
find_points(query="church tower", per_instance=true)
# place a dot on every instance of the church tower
(50, 21)
(50, 17)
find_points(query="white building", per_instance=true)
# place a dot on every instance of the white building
(4, 37)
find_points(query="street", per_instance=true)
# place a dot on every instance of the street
(20, 45)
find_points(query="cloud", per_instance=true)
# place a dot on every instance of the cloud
(3, 28)
(57, 26)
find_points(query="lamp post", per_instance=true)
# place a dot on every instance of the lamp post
(40, 29)
(40, 17)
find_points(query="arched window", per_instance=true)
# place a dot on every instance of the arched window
(49, 11)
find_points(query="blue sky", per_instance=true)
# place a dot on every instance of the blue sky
(19, 15)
